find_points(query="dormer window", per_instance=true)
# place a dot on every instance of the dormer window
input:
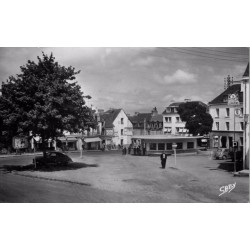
(225, 98)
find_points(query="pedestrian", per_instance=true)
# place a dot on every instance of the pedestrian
(134, 149)
(129, 149)
(138, 150)
(125, 151)
(163, 159)
(144, 149)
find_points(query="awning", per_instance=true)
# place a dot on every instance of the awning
(96, 139)
(69, 139)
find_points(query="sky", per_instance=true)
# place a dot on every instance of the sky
(138, 79)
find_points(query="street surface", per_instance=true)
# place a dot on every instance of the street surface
(112, 177)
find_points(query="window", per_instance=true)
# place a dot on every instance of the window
(179, 145)
(227, 126)
(217, 124)
(190, 144)
(168, 119)
(242, 126)
(172, 110)
(225, 98)
(152, 146)
(241, 141)
(177, 129)
(169, 146)
(121, 131)
(178, 119)
(217, 112)
(121, 120)
(168, 130)
(242, 111)
(227, 112)
(161, 146)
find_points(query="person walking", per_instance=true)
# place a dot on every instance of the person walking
(144, 149)
(163, 160)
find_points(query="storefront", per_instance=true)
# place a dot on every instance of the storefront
(160, 143)
(225, 139)
(92, 143)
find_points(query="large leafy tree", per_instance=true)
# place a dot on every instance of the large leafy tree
(198, 121)
(44, 100)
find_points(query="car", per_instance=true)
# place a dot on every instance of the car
(222, 154)
(53, 158)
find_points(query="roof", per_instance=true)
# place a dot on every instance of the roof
(233, 89)
(177, 104)
(109, 117)
(157, 118)
(246, 71)
(139, 118)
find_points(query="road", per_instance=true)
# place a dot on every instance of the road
(111, 177)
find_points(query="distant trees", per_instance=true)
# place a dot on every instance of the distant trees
(198, 121)
(44, 100)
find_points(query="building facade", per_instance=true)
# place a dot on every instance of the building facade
(228, 125)
(245, 90)
(172, 123)
(147, 123)
(116, 128)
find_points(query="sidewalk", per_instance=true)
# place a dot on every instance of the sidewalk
(18, 155)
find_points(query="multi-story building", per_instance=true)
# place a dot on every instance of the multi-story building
(228, 125)
(113, 129)
(245, 91)
(172, 123)
(147, 123)
(116, 128)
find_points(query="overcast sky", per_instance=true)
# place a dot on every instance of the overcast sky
(138, 79)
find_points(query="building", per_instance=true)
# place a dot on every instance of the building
(227, 126)
(147, 123)
(116, 128)
(164, 143)
(245, 91)
(172, 123)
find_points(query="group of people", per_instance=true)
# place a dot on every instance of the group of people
(135, 149)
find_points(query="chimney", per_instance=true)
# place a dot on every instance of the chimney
(154, 111)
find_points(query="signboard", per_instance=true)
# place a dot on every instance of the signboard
(233, 100)
(237, 112)
(20, 142)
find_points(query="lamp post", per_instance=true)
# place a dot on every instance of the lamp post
(174, 146)
(234, 101)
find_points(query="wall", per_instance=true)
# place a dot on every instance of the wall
(127, 129)
(222, 119)
(173, 124)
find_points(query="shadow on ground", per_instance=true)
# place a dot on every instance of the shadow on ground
(50, 168)
(229, 166)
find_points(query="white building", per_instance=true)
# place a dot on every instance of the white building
(117, 129)
(227, 127)
(245, 91)
(172, 123)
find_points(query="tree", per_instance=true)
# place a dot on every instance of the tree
(198, 121)
(44, 100)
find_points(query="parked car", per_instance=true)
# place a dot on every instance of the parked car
(222, 154)
(53, 158)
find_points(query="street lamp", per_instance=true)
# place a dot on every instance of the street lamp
(174, 146)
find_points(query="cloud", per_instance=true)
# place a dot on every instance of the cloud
(143, 61)
(180, 76)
